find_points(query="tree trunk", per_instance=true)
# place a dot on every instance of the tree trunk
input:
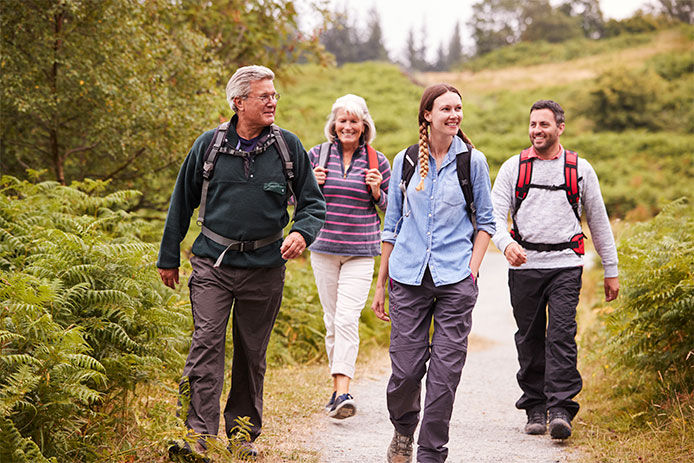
(58, 160)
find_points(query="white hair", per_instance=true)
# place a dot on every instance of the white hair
(239, 86)
(356, 106)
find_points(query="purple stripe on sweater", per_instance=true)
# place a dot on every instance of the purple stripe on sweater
(347, 224)
(347, 197)
(351, 215)
(348, 242)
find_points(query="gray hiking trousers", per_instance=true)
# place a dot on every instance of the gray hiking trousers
(256, 295)
(411, 311)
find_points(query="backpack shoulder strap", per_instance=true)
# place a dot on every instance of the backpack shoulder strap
(208, 162)
(372, 157)
(286, 162)
(409, 163)
(324, 153)
(571, 180)
(525, 172)
(465, 179)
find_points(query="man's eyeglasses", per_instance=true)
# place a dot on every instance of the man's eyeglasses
(266, 98)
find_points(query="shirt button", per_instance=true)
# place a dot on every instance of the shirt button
(431, 197)
(428, 233)
(429, 215)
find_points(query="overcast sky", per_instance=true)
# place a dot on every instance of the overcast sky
(440, 16)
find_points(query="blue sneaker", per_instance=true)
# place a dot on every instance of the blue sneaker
(344, 407)
(329, 405)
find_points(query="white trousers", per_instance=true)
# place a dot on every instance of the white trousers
(343, 284)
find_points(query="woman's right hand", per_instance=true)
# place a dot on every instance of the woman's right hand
(321, 174)
(379, 303)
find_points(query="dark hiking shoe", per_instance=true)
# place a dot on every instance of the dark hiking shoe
(243, 450)
(559, 423)
(184, 454)
(330, 403)
(537, 422)
(400, 449)
(344, 407)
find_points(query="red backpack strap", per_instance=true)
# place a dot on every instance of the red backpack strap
(525, 172)
(571, 180)
(372, 156)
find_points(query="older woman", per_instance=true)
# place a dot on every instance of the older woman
(431, 258)
(342, 256)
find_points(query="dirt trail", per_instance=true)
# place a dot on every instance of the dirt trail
(485, 427)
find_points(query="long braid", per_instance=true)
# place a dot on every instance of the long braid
(423, 153)
(465, 138)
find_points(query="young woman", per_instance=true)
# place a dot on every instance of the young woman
(431, 263)
(342, 255)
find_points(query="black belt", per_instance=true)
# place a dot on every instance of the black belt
(236, 245)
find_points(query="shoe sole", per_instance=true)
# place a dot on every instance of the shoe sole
(559, 429)
(343, 410)
(535, 429)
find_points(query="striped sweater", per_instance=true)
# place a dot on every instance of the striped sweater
(352, 225)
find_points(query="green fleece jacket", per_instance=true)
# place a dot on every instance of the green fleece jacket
(244, 202)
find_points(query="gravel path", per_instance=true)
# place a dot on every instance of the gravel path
(485, 427)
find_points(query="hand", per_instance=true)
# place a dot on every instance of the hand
(515, 254)
(293, 245)
(379, 303)
(374, 179)
(169, 276)
(611, 288)
(321, 173)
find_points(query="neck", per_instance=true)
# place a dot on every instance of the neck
(349, 149)
(439, 145)
(248, 131)
(550, 152)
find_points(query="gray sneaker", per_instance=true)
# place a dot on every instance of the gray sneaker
(559, 423)
(537, 422)
(400, 449)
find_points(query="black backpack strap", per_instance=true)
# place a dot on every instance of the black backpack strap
(465, 179)
(571, 178)
(208, 162)
(409, 163)
(286, 162)
(324, 154)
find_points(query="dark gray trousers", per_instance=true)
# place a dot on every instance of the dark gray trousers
(256, 295)
(544, 305)
(411, 311)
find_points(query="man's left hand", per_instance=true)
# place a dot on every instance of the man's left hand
(293, 245)
(611, 288)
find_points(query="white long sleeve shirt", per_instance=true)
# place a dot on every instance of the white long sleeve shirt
(545, 216)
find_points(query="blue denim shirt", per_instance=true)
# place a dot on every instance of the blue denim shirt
(431, 227)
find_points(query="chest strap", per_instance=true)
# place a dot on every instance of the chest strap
(236, 245)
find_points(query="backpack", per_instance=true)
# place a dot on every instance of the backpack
(210, 159)
(325, 152)
(523, 184)
(462, 161)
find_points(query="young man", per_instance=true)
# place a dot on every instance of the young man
(545, 189)
(240, 254)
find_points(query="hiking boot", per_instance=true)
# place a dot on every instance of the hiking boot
(329, 405)
(537, 422)
(184, 454)
(400, 449)
(344, 407)
(242, 449)
(559, 423)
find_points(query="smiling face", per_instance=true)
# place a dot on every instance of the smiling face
(253, 112)
(348, 128)
(446, 114)
(544, 132)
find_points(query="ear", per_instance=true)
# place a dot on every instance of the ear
(427, 116)
(238, 101)
(561, 128)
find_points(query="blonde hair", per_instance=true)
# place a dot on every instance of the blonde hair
(426, 104)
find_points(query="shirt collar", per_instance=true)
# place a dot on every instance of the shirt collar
(533, 153)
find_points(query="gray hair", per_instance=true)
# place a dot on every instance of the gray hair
(355, 105)
(239, 86)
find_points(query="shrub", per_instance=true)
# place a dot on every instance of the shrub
(652, 330)
(83, 317)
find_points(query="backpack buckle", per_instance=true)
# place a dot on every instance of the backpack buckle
(207, 169)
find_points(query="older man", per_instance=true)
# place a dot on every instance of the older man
(241, 175)
(545, 189)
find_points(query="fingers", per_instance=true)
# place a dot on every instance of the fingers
(293, 245)
(515, 255)
(321, 173)
(373, 177)
(169, 276)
